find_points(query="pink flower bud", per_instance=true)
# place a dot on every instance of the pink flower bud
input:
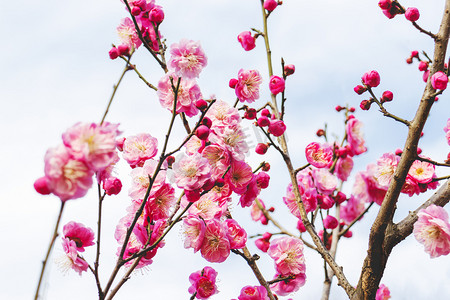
(371, 78)
(208, 185)
(170, 160)
(41, 186)
(266, 167)
(338, 108)
(425, 76)
(387, 96)
(271, 209)
(156, 15)
(263, 121)
(277, 127)
(192, 196)
(359, 89)
(330, 222)
(262, 244)
(365, 104)
(250, 114)
(398, 152)
(232, 83)
(409, 60)
(207, 122)
(247, 40)
(119, 143)
(421, 134)
(124, 49)
(270, 5)
(419, 150)
(261, 148)
(325, 202)
(423, 66)
(391, 12)
(352, 109)
(385, 4)
(113, 53)
(320, 132)
(265, 112)
(112, 186)
(348, 234)
(415, 53)
(412, 14)
(202, 132)
(300, 226)
(289, 70)
(276, 84)
(263, 179)
(201, 104)
(136, 11)
(340, 197)
(439, 80)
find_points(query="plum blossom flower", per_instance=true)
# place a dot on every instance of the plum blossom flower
(344, 167)
(67, 177)
(216, 246)
(247, 40)
(236, 234)
(439, 80)
(320, 156)
(138, 148)
(253, 293)
(194, 232)
(383, 293)
(127, 33)
(325, 181)
(187, 58)
(386, 166)
(276, 84)
(432, 229)
(239, 175)
(81, 235)
(287, 253)
(160, 202)
(140, 179)
(72, 260)
(233, 139)
(188, 93)
(286, 287)
(247, 87)
(223, 115)
(191, 172)
(422, 171)
(203, 283)
(92, 143)
(351, 209)
(447, 131)
(355, 137)
(206, 208)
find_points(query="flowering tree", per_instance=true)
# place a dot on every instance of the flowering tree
(197, 181)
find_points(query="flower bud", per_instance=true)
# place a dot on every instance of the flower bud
(423, 66)
(201, 104)
(415, 53)
(124, 49)
(412, 14)
(276, 84)
(202, 132)
(330, 222)
(300, 226)
(338, 108)
(261, 148)
(425, 76)
(289, 70)
(263, 121)
(365, 104)
(398, 152)
(277, 127)
(265, 112)
(409, 60)
(263, 179)
(119, 143)
(112, 186)
(170, 160)
(207, 122)
(340, 197)
(371, 78)
(270, 5)
(41, 186)
(387, 96)
(250, 114)
(192, 196)
(359, 89)
(220, 182)
(156, 15)
(271, 209)
(136, 11)
(439, 80)
(348, 234)
(247, 40)
(113, 53)
(320, 132)
(325, 202)
(232, 83)
(385, 4)
(419, 150)
(351, 109)
(266, 167)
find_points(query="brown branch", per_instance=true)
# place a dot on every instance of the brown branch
(378, 251)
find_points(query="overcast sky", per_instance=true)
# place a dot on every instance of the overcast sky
(56, 72)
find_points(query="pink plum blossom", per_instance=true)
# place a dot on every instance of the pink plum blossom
(68, 178)
(287, 253)
(330, 222)
(386, 166)
(247, 87)
(351, 209)
(325, 181)
(194, 232)
(232, 139)
(355, 137)
(239, 175)
(286, 287)
(263, 243)
(187, 58)
(81, 235)
(203, 283)
(236, 234)
(248, 193)
(72, 260)
(140, 179)
(344, 167)
(92, 143)
(447, 131)
(138, 148)
(253, 293)
(127, 33)
(247, 40)
(255, 212)
(206, 208)
(276, 84)
(188, 93)
(191, 172)
(439, 80)
(432, 229)
(422, 171)
(383, 293)
(159, 202)
(320, 156)
(223, 115)
(216, 246)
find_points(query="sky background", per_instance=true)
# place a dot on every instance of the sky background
(56, 72)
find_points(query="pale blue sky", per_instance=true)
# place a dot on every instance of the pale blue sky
(56, 72)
